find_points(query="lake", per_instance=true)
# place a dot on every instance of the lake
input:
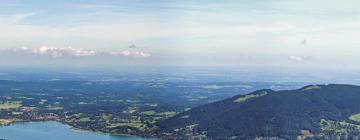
(53, 131)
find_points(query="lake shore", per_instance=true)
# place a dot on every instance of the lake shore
(9, 122)
(62, 127)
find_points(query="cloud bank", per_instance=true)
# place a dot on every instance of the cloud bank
(61, 52)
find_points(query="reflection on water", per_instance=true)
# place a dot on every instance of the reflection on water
(53, 131)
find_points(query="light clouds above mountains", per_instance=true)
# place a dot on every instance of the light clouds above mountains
(186, 32)
(61, 52)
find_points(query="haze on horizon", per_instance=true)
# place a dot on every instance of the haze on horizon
(104, 33)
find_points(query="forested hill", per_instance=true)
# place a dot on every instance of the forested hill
(312, 112)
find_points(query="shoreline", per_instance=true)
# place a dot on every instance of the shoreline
(71, 127)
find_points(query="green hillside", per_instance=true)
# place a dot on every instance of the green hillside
(312, 112)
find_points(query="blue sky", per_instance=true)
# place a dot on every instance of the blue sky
(274, 33)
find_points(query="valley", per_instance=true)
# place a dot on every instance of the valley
(115, 107)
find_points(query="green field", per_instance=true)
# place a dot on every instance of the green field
(355, 117)
(10, 105)
(149, 113)
(250, 96)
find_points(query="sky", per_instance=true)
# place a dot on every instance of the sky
(234, 33)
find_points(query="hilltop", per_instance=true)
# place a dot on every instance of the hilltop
(312, 112)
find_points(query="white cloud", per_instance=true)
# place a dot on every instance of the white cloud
(57, 52)
(54, 52)
(129, 53)
(269, 31)
(296, 58)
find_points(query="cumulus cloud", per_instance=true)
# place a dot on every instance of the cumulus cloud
(129, 53)
(54, 51)
(58, 52)
(296, 58)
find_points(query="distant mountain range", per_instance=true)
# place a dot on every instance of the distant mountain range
(312, 112)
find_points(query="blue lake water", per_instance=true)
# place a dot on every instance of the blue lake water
(53, 131)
